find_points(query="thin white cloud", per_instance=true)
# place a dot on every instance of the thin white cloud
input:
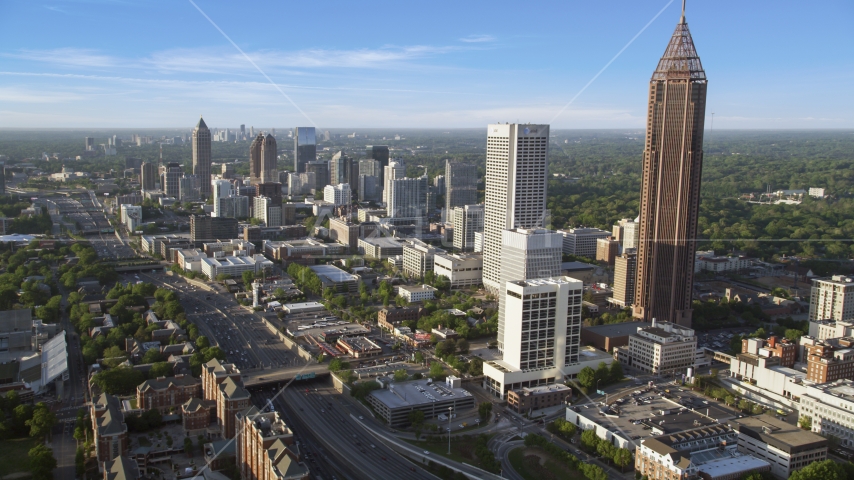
(71, 57)
(478, 39)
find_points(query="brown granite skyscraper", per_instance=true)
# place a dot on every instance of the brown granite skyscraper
(670, 192)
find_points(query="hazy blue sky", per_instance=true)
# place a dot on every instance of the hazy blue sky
(781, 64)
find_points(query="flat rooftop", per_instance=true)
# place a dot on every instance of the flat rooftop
(384, 242)
(417, 392)
(778, 433)
(333, 273)
(362, 343)
(729, 464)
(617, 329)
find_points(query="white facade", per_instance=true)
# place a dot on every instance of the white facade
(516, 184)
(468, 220)
(708, 261)
(832, 299)
(478, 242)
(394, 169)
(816, 192)
(417, 294)
(418, 258)
(233, 266)
(337, 194)
(542, 335)
(407, 198)
(462, 270)
(781, 444)
(582, 241)
(525, 254)
(222, 188)
(663, 347)
(231, 207)
(266, 210)
(131, 216)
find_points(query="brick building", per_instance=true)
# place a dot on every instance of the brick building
(391, 317)
(108, 425)
(785, 350)
(231, 399)
(265, 448)
(826, 363)
(164, 393)
(196, 414)
(535, 398)
(214, 373)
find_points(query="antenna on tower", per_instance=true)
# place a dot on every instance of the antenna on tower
(683, 12)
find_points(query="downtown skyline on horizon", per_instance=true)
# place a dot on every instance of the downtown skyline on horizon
(588, 76)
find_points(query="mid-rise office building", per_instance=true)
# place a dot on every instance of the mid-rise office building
(526, 254)
(670, 193)
(343, 169)
(516, 184)
(460, 185)
(268, 210)
(832, 299)
(302, 183)
(232, 207)
(320, 169)
(542, 335)
(461, 269)
(305, 148)
(202, 157)
(209, 229)
(785, 446)
(131, 216)
(370, 189)
(418, 258)
(607, 250)
(625, 267)
(626, 232)
(582, 241)
(189, 188)
(337, 195)
(370, 167)
(663, 347)
(468, 220)
(148, 176)
(222, 189)
(170, 179)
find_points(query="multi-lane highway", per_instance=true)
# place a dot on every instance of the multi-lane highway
(248, 343)
(339, 446)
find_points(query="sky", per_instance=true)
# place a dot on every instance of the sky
(390, 64)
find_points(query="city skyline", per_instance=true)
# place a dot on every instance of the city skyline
(443, 76)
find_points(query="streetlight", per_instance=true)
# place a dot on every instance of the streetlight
(450, 409)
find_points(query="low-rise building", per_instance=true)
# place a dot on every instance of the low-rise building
(380, 247)
(773, 347)
(229, 247)
(461, 269)
(829, 408)
(418, 258)
(417, 293)
(581, 242)
(709, 262)
(395, 403)
(358, 347)
(390, 317)
(608, 337)
(196, 414)
(663, 347)
(337, 279)
(785, 446)
(234, 266)
(525, 400)
(303, 251)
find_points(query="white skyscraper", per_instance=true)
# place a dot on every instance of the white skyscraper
(407, 198)
(395, 169)
(525, 254)
(266, 210)
(516, 180)
(221, 189)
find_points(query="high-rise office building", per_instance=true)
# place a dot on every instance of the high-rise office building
(516, 180)
(188, 188)
(340, 168)
(407, 198)
(395, 169)
(90, 144)
(268, 210)
(148, 176)
(242, 131)
(171, 180)
(255, 159)
(439, 183)
(468, 220)
(670, 194)
(337, 195)
(320, 168)
(626, 232)
(202, 157)
(222, 189)
(369, 189)
(460, 183)
(269, 157)
(526, 254)
(305, 148)
(370, 167)
(380, 153)
(625, 270)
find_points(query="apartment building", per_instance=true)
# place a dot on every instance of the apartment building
(108, 424)
(832, 299)
(773, 347)
(164, 393)
(214, 373)
(232, 398)
(828, 363)
(266, 448)
(391, 317)
(607, 250)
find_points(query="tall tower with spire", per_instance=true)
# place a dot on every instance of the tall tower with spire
(202, 157)
(670, 192)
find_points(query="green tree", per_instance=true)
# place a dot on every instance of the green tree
(248, 277)
(793, 334)
(825, 470)
(118, 381)
(616, 372)
(436, 371)
(587, 377)
(400, 375)
(622, 458)
(416, 418)
(188, 446)
(805, 422)
(202, 342)
(463, 345)
(476, 366)
(589, 440)
(42, 463)
(42, 420)
(419, 357)
(160, 369)
(484, 410)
